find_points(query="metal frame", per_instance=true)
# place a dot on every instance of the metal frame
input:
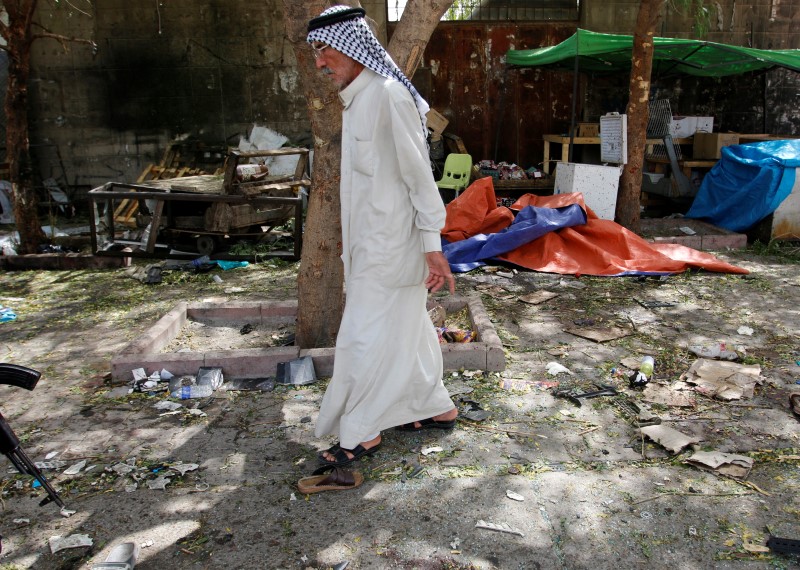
(164, 197)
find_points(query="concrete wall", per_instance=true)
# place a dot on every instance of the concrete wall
(205, 72)
(163, 71)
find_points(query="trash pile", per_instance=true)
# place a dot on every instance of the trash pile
(449, 334)
(507, 171)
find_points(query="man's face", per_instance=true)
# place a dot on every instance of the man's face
(340, 68)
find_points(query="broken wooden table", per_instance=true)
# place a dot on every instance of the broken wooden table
(216, 207)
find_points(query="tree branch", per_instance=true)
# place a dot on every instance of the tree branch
(62, 39)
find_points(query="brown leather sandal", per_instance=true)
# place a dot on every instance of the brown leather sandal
(337, 480)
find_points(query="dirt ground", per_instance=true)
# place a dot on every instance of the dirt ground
(212, 484)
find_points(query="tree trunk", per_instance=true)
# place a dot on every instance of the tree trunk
(629, 196)
(413, 32)
(23, 190)
(320, 278)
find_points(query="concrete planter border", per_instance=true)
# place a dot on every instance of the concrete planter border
(145, 352)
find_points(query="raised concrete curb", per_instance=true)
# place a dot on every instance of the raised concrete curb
(145, 352)
(707, 237)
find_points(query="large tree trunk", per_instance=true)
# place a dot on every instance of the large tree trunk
(629, 196)
(23, 189)
(319, 281)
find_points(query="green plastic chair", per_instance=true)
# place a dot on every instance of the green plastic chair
(457, 169)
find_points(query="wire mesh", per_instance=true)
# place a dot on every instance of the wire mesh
(658, 126)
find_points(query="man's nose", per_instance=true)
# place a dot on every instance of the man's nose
(320, 62)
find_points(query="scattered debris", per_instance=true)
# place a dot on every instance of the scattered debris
(72, 541)
(514, 496)
(75, 469)
(736, 466)
(471, 410)
(499, 527)
(554, 369)
(297, 372)
(743, 330)
(671, 439)
(159, 483)
(723, 380)
(719, 351)
(575, 396)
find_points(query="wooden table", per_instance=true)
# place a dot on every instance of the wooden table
(564, 142)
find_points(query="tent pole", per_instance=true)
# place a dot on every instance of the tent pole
(574, 98)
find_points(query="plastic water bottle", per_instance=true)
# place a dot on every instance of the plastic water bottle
(193, 391)
(646, 367)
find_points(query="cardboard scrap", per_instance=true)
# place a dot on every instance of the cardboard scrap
(599, 334)
(737, 466)
(723, 380)
(671, 439)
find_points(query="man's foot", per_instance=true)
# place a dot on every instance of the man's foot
(339, 456)
(446, 420)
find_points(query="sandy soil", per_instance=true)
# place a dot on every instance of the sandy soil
(595, 492)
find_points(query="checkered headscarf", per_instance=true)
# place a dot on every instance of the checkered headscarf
(345, 30)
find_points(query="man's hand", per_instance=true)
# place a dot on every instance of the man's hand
(439, 273)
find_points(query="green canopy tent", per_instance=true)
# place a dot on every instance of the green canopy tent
(596, 53)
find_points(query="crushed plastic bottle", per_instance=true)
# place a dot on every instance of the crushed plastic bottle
(192, 391)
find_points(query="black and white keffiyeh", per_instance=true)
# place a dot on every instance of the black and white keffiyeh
(345, 30)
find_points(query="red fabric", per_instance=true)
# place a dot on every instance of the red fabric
(599, 247)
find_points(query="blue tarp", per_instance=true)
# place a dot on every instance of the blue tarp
(530, 223)
(747, 184)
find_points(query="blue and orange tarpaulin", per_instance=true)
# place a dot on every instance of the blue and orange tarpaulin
(557, 234)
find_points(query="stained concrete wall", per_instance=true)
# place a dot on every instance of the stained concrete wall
(207, 71)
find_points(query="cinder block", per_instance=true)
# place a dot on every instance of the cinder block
(468, 355)
(495, 359)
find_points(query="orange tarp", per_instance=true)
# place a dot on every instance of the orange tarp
(598, 247)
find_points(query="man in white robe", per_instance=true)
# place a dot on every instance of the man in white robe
(388, 366)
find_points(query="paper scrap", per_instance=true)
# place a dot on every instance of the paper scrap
(499, 527)
(554, 369)
(671, 439)
(72, 541)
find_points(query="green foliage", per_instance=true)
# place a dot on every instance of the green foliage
(698, 11)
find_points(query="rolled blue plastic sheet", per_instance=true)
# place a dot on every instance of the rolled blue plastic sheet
(7, 314)
(747, 184)
(529, 224)
(225, 265)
